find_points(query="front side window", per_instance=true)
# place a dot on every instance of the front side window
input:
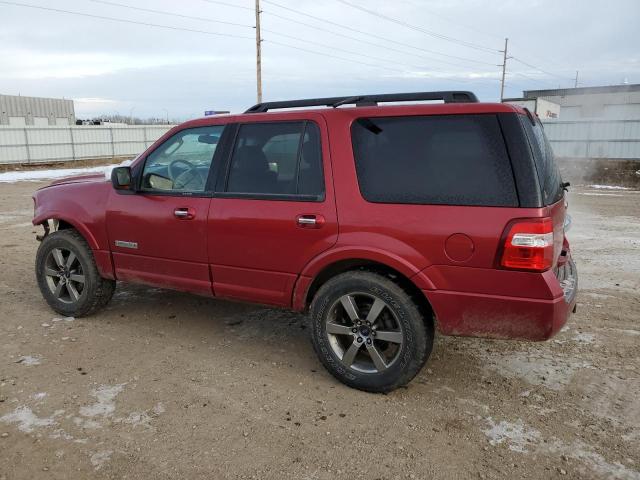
(182, 163)
(437, 160)
(279, 158)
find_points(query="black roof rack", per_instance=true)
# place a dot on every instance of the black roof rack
(368, 100)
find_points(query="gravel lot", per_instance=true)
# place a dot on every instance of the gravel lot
(167, 385)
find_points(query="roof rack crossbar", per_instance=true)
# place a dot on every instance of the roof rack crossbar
(453, 96)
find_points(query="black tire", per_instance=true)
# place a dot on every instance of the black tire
(92, 294)
(415, 328)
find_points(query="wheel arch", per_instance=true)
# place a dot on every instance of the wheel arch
(405, 277)
(65, 224)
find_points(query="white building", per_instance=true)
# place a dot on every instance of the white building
(615, 102)
(19, 111)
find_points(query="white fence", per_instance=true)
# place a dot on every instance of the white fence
(573, 139)
(595, 139)
(58, 144)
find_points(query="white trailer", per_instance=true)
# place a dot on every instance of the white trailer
(545, 109)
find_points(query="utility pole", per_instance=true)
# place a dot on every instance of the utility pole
(576, 84)
(504, 69)
(258, 53)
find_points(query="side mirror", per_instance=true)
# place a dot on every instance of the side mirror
(121, 178)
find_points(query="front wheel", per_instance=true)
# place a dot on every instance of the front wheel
(68, 277)
(368, 332)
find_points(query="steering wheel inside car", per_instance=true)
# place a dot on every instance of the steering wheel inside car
(190, 179)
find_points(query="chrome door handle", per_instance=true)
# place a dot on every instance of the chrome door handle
(307, 221)
(310, 221)
(186, 213)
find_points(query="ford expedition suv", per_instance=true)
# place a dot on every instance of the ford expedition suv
(383, 222)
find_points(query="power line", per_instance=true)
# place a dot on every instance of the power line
(122, 20)
(371, 64)
(539, 69)
(160, 12)
(211, 20)
(473, 29)
(347, 27)
(440, 36)
(367, 42)
(206, 32)
(273, 32)
(216, 2)
(531, 78)
(343, 50)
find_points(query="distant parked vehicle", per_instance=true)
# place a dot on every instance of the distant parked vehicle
(381, 221)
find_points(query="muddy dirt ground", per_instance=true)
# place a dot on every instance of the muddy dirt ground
(166, 385)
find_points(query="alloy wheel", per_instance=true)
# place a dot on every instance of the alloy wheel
(64, 275)
(364, 332)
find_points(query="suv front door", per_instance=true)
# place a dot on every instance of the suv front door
(158, 233)
(273, 210)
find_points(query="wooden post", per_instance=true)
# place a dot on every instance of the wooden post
(258, 54)
(504, 69)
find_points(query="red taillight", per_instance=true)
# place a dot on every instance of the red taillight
(529, 245)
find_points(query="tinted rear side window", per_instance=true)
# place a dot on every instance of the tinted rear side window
(277, 158)
(442, 160)
(548, 172)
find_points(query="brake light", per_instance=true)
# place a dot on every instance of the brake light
(529, 245)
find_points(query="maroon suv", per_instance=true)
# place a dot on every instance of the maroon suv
(382, 221)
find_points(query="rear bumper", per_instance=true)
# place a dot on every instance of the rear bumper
(497, 316)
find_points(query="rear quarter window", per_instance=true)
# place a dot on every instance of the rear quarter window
(546, 166)
(439, 160)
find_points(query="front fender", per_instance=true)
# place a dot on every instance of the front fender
(81, 205)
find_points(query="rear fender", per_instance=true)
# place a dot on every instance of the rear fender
(333, 256)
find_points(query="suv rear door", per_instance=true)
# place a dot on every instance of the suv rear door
(273, 210)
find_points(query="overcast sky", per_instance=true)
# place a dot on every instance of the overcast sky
(112, 67)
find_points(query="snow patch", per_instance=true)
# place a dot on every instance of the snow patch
(608, 187)
(551, 371)
(86, 423)
(105, 405)
(39, 395)
(522, 438)
(27, 420)
(587, 338)
(138, 419)
(29, 360)
(51, 174)
(593, 194)
(100, 458)
(63, 319)
(517, 435)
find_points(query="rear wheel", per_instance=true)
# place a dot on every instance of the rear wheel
(368, 332)
(68, 277)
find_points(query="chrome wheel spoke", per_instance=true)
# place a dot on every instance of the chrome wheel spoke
(58, 290)
(350, 355)
(76, 277)
(50, 272)
(349, 305)
(73, 292)
(58, 257)
(70, 259)
(389, 336)
(374, 312)
(336, 329)
(376, 357)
